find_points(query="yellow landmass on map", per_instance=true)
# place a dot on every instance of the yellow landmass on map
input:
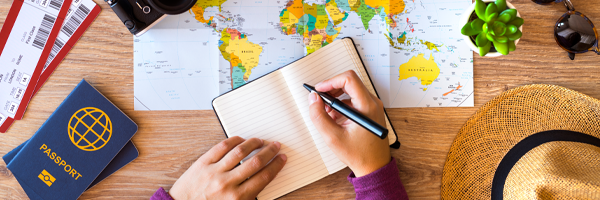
(353, 3)
(402, 39)
(429, 45)
(322, 21)
(423, 69)
(225, 37)
(315, 43)
(287, 18)
(288, 21)
(334, 12)
(391, 8)
(209, 3)
(247, 52)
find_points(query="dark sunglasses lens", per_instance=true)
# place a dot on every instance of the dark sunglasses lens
(545, 1)
(575, 33)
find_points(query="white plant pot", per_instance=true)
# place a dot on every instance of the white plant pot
(465, 18)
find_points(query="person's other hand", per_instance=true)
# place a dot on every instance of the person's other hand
(354, 145)
(214, 175)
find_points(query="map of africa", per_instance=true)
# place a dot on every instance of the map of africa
(412, 49)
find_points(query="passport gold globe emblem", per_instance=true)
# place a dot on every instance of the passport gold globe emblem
(90, 129)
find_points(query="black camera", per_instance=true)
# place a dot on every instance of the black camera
(140, 15)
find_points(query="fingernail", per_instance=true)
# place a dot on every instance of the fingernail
(283, 157)
(262, 142)
(312, 97)
(277, 144)
(317, 85)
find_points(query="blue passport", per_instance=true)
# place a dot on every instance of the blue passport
(124, 157)
(73, 147)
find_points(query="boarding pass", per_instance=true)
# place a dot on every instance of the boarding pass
(25, 41)
(80, 16)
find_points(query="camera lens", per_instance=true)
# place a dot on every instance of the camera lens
(172, 7)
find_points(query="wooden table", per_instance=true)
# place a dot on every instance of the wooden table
(169, 142)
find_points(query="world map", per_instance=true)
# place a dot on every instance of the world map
(412, 49)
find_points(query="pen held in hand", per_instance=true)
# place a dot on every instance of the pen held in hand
(351, 113)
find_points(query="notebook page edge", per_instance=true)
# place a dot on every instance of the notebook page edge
(361, 71)
(333, 163)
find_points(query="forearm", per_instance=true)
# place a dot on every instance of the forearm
(384, 183)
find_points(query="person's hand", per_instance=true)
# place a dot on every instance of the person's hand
(358, 148)
(214, 175)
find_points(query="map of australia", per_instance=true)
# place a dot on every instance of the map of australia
(412, 49)
(426, 70)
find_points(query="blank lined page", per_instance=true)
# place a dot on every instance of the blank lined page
(327, 62)
(321, 65)
(362, 73)
(265, 109)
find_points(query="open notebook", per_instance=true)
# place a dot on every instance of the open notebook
(275, 107)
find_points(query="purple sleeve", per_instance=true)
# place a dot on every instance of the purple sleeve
(161, 194)
(381, 184)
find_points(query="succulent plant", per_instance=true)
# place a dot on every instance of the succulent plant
(495, 24)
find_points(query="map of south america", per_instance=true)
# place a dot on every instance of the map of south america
(241, 54)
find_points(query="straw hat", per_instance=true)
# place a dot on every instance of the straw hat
(531, 142)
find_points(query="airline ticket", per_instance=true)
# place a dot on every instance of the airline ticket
(25, 43)
(79, 17)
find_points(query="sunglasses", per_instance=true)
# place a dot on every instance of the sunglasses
(574, 32)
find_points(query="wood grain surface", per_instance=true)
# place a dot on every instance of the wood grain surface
(169, 141)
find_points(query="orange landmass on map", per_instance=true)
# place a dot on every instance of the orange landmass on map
(297, 9)
(199, 14)
(447, 93)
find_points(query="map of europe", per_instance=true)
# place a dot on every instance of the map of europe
(412, 49)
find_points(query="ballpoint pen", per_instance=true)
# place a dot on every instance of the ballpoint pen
(351, 113)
